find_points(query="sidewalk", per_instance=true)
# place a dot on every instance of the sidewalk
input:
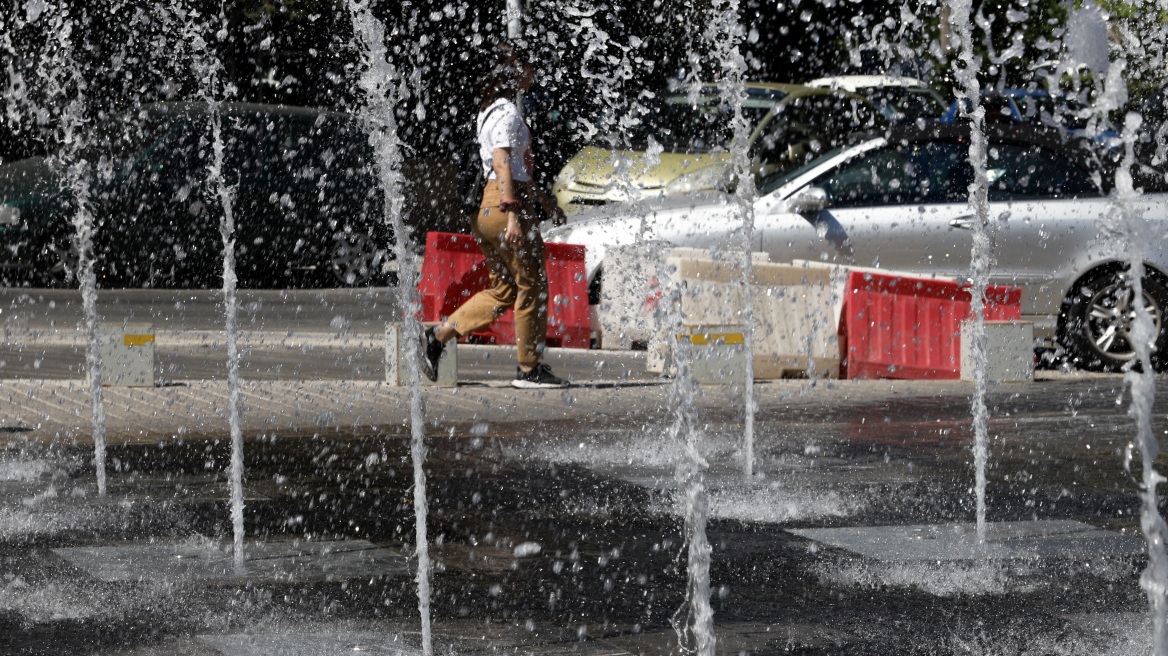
(53, 410)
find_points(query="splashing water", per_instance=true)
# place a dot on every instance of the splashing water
(209, 71)
(694, 621)
(726, 35)
(969, 91)
(1140, 378)
(378, 82)
(1087, 31)
(15, 93)
(77, 175)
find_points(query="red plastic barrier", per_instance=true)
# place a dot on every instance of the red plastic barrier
(454, 269)
(910, 328)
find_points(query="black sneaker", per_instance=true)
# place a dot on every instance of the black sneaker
(539, 378)
(431, 352)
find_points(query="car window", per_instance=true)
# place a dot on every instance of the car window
(998, 109)
(906, 103)
(902, 174)
(1020, 172)
(124, 137)
(779, 178)
(1059, 112)
(175, 153)
(682, 126)
(342, 154)
(289, 150)
(805, 128)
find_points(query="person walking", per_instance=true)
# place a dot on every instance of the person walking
(506, 229)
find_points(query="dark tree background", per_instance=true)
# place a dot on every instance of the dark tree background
(597, 59)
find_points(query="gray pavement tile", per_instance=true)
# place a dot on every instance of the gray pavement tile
(309, 644)
(1004, 540)
(1115, 634)
(205, 560)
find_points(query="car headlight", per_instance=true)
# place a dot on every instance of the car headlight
(710, 178)
(9, 215)
(566, 177)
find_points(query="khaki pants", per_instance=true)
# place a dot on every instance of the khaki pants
(518, 277)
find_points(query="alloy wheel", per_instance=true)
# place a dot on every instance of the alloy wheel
(1110, 318)
(355, 259)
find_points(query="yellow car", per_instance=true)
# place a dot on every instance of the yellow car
(683, 147)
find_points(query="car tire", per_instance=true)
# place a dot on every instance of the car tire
(355, 259)
(594, 288)
(1097, 318)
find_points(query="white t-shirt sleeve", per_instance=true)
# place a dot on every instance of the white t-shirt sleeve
(505, 129)
(502, 129)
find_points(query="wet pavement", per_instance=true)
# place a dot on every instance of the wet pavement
(554, 522)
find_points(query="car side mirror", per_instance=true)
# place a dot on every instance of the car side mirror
(811, 200)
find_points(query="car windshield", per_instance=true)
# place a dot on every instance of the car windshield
(681, 126)
(124, 136)
(905, 103)
(773, 182)
(1067, 113)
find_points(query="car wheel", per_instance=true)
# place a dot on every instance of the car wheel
(594, 288)
(1099, 314)
(355, 259)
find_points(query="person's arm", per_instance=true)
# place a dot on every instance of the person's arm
(550, 208)
(501, 163)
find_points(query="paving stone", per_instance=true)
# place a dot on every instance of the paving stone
(739, 638)
(309, 644)
(1004, 540)
(575, 648)
(280, 561)
(191, 489)
(1116, 634)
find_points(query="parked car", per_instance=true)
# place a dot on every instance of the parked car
(898, 99)
(789, 123)
(1037, 107)
(899, 201)
(306, 203)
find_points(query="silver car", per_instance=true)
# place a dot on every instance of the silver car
(899, 201)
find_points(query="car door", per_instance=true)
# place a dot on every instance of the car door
(311, 206)
(270, 204)
(157, 228)
(357, 244)
(1046, 211)
(901, 207)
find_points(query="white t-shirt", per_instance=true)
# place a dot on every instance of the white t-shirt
(504, 128)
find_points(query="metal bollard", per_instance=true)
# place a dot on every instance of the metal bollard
(1009, 351)
(127, 355)
(397, 375)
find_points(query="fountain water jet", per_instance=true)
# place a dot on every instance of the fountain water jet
(209, 70)
(1140, 376)
(379, 82)
(76, 171)
(726, 36)
(969, 91)
(694, 621)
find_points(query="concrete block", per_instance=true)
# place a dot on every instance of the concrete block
(717, 353)
(795, 315)
(396, 373)
(1009, 351)
(127, 355)
(633, 285)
